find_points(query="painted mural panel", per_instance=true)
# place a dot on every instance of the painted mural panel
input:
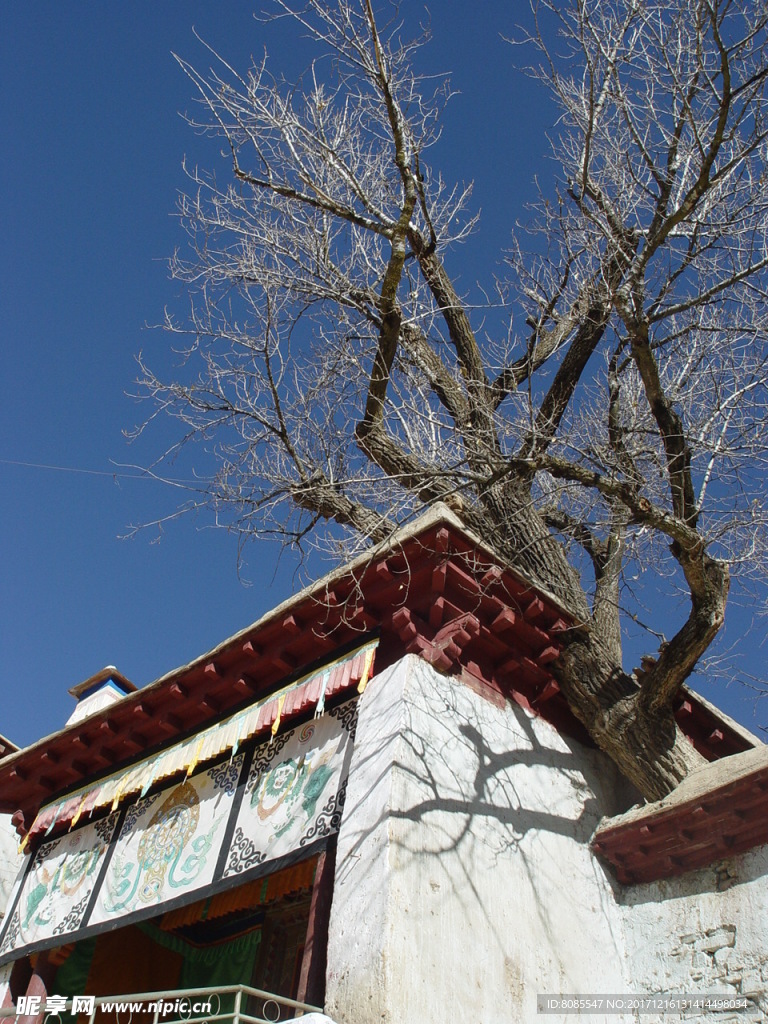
(169, 844)
(57, 889)
(295, 791)
(200, 836)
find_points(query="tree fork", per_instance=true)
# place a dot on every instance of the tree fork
(644, 742)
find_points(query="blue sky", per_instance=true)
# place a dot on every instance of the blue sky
(92, 151)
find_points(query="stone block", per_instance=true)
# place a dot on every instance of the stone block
(723, 954)
(752, 984)
(717, 938)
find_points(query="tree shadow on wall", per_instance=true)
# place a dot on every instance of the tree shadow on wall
(475, 788)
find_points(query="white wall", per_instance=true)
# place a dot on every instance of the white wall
(465, 885)
(10, 860)
(705, 932)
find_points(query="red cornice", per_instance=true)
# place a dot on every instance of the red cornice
(716, 812)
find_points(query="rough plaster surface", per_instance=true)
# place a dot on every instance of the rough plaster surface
(358, 942)
(706, 932)
(465, 884)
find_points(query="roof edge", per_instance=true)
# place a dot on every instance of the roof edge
(701, 783)
(438, 514)
(717, 812)
(749, 737)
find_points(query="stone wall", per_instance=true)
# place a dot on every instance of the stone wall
(705, 932)
(465, 884)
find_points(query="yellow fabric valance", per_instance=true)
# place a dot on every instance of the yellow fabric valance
(211, 743)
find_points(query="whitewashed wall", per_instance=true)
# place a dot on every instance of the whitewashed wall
(465, 885)
(705, 932)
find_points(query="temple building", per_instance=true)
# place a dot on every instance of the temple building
(376, 802)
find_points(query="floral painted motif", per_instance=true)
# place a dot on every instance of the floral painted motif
(171, 844)
(293, 783)
(291, 796)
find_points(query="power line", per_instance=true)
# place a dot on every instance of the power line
(75, 469)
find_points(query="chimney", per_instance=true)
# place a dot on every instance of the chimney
(94, 694)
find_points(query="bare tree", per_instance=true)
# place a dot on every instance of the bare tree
(346, 383)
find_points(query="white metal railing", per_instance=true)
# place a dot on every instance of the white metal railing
(185, 1006)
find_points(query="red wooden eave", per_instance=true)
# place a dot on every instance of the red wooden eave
(719, 811)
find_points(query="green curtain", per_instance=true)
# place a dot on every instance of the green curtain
(227, 963)
(73, 973)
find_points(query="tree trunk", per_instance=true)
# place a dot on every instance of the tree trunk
(645, 742)
(639, 735)
(512, 525)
